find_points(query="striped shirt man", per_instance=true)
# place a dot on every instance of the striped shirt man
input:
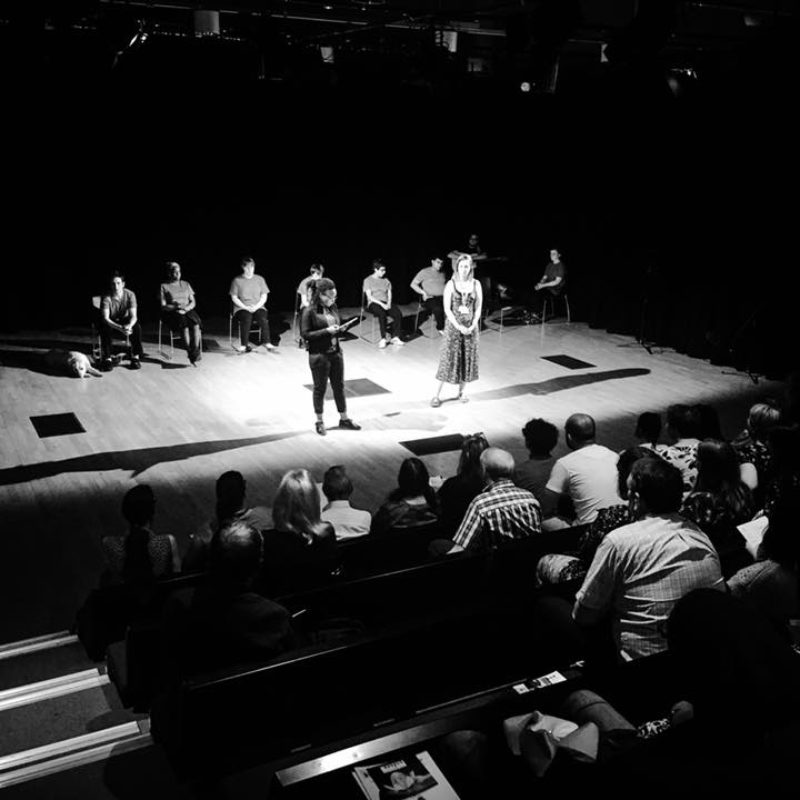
(501, 511)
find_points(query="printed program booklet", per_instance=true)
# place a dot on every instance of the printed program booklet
(405, 776)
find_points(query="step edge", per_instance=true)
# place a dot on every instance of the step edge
(74, 760)
(46, 642)
(60, 680)
(90, 682)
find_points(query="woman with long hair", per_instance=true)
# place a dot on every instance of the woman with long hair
(141, 556)
(457, 492)
(320, 327)
(300, 551)
(411, 504)
(458, 358)
(719, 502)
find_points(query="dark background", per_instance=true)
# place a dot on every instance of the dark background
(686, 202)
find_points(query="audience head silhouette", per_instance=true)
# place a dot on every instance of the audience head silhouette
(231, 488)
(655, 487)
(471, 448)
(648, 427)
(540, 436)
(236, 554)
(627, 458)
(412, 480)
(497, 464)
(297, 505)
(580, 430)
(336, 484)
(761, 419)
(139, 505)
(684, 422)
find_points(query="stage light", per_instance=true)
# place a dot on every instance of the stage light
(525, 86)
(206, 23)
(327, 54)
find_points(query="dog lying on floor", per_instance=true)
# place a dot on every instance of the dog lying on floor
(71, 362)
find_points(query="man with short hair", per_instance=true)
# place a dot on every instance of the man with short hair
(223, 622)
(348, 522)
(587, 475)
(541, 438)
(502, 511)
(642, 569)
(429, 283)
(249, 297)
(551, 284)
(316, 271)
(378, 290)
(119, 312)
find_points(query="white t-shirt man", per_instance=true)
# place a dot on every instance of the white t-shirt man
(589, 477)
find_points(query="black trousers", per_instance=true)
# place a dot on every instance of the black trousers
(245, 319)
(435, 306)
(325, 367)
(536, 302)
(189, 322)
(106, 334)
(382, 314)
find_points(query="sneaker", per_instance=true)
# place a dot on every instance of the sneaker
(270, 347)
(349, 425)
(382, 343)
(240, 348)
(136, 363)
(106, 365)
(319, 426)
(397, 340)
(436, 402)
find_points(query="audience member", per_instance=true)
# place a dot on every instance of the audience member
(541, 437)
(231, 489)
(457, 492)
(743, 683)
(429, 283)
(752, 448)
(556, 568)
(348, 522)
(411, 504)
(587, 475)
(224, 622)
(771, 584)
(300, 551)
(784, 445)
(684, 425)
(641, 570)
(720, 502)
(709, 423)
(141, 556)
(648, 431)
(502, 511)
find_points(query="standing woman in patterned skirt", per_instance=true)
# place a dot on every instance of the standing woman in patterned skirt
(458, 358)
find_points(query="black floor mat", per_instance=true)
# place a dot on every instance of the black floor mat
(568, 361)
(434, 444)
(57, 425)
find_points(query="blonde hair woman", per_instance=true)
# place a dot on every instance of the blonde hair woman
(458, 358)
(300, 552)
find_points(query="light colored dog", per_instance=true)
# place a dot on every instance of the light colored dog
(72, 362)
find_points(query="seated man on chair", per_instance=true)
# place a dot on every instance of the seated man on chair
(249, 297)
(304, 287)
(118, 313)
(178, 310)
(378, 290)
(550, 285)
(429, 283)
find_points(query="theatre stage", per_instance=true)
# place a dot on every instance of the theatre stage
(177, 428)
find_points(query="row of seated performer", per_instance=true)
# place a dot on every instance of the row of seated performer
(659, 521)
(249, 293)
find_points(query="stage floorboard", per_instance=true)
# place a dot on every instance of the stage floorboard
(178, 428)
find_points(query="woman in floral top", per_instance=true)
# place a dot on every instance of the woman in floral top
(720, 502)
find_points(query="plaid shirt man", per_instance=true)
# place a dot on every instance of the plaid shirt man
(501, 511)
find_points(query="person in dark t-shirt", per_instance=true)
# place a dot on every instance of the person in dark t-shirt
(551, 284)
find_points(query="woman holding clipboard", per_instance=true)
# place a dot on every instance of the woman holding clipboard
(320, 328)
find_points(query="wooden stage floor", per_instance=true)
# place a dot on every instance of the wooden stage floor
(177, 428)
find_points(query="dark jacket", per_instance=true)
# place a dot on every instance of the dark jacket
(313, 329)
